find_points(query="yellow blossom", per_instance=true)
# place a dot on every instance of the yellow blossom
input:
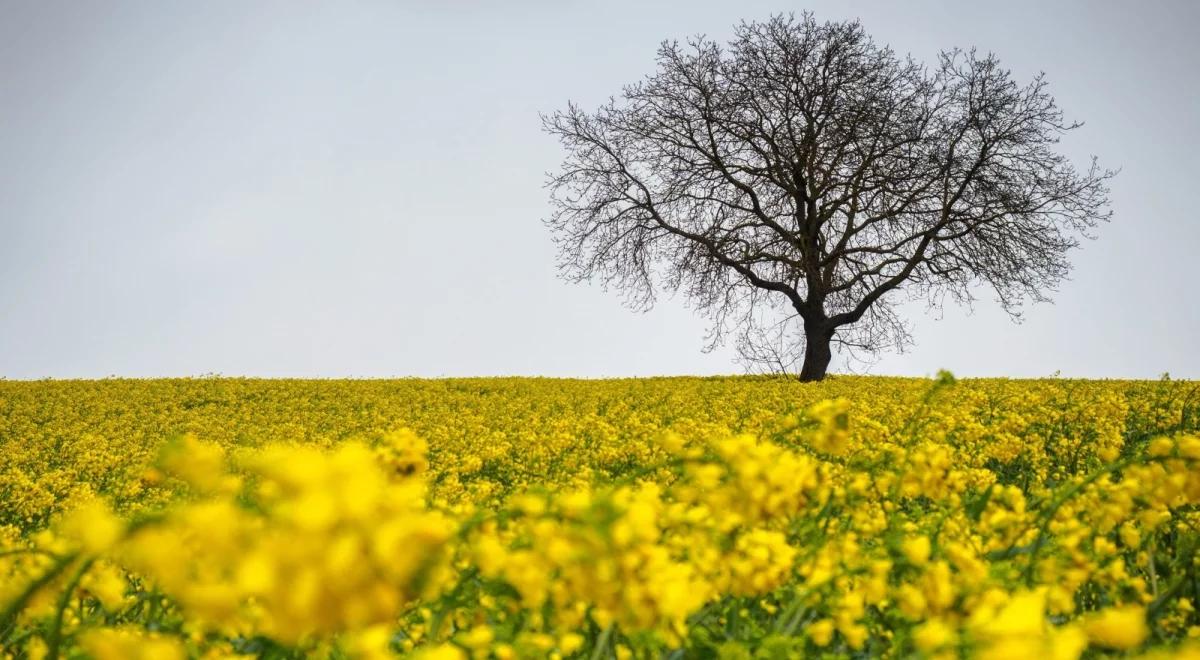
(1119, 627)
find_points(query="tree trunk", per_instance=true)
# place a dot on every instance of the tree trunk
(817, 352)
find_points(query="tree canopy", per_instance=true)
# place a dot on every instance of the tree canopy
(799, 182)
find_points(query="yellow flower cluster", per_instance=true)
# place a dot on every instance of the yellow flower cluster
(720, 517)
(308, 543)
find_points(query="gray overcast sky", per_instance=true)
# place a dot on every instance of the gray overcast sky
(355, 189)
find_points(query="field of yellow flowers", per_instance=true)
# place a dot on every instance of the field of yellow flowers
(652, 518)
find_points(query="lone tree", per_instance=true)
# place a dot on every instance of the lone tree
(806, 177)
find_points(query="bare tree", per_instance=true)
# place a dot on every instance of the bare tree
(804, 174)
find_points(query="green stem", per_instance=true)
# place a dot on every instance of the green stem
(55, 637)
(602, 643)
(10, 612)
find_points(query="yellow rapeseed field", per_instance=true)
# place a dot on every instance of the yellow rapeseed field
(650, 518)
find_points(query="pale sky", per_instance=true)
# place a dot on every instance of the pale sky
(356, 188)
